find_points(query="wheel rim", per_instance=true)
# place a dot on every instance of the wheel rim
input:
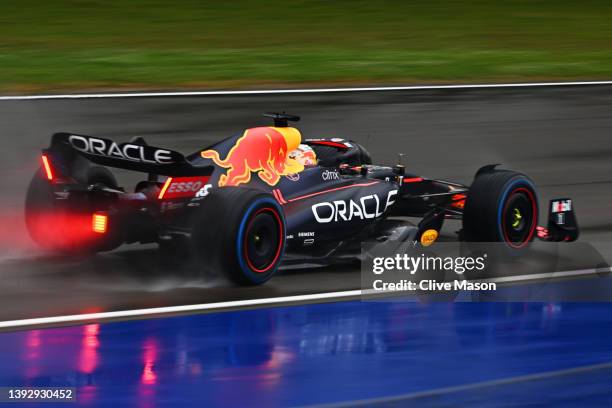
(519, 217)
(263, 240)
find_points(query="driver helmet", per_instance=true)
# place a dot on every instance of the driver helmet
(304, 154)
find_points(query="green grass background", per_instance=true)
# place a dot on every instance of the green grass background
(86, 44)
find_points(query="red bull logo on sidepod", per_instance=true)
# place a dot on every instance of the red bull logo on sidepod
(261, 150)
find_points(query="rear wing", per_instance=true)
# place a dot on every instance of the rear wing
(136, 156)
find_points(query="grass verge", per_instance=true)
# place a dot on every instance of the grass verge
(89, 44)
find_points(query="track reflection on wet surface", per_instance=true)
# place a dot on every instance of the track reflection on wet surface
(326, 353)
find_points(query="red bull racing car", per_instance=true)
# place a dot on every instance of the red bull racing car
(267, 196)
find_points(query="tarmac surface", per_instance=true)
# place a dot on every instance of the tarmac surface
(560, 137)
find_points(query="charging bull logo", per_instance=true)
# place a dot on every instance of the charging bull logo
(262, 150)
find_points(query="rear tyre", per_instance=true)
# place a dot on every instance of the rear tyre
(501, 206)
(64, 226)
(239, 233)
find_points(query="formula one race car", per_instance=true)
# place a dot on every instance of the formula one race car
(244, 205)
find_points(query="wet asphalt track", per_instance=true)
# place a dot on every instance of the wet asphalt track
(561, 137)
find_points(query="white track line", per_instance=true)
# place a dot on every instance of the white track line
(546, 275)
(179, 309)
(293, 91)
(275, 301)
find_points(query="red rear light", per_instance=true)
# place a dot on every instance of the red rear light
(99, 223)
(46, 165)
(458, 201)
(164, 188)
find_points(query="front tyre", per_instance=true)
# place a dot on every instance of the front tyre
(239, 233)
(501, 206)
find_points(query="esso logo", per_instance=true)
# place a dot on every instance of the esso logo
(185, 187)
